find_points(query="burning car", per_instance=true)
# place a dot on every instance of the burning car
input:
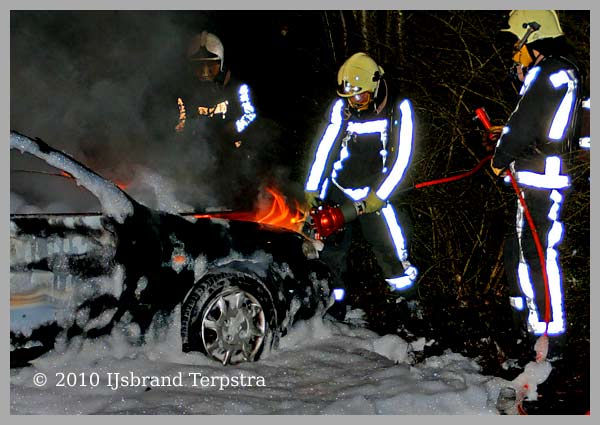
(239, 284)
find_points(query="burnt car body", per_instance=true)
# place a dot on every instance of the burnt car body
(240, 285)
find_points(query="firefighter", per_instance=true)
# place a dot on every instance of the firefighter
(361, 158)
(532, 145)
(214, 110)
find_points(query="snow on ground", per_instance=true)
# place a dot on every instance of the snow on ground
(321, 367)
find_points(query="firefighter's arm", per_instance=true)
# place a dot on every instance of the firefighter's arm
(500, 161)
(248, 112)
(325, 148)
(182, 116)
(399, 149)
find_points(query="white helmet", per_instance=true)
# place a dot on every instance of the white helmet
(206, 46)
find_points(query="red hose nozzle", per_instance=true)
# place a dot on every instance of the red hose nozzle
(482, 115)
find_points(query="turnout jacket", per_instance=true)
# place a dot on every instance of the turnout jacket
(363, 151)
(215, 111)
(542, 124)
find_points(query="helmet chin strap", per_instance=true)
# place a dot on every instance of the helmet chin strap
(531, 27)
(379, 108)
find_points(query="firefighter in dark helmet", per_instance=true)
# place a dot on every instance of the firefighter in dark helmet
(361, 158)
(532, 145)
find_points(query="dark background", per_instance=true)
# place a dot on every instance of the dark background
(102, 85)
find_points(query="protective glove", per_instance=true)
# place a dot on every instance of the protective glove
(494, 132)
(491, 136)
(373, 203)
(311, 199)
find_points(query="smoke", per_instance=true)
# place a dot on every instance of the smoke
(102, 86)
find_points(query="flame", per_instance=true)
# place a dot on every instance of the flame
(273, 211)
(121, 186)
(179, 259)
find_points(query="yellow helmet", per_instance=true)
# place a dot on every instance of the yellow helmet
(357, 75)
(532, 25)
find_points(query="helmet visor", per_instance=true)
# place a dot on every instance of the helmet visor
(347, 90)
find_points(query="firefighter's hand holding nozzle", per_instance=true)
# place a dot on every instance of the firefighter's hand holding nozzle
(311, 199)
(373, 203)
(491, 136)
(494, 132)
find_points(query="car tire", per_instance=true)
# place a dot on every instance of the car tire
(230, 317)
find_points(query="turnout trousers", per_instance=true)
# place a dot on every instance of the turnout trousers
(386, 231)
(533, 301)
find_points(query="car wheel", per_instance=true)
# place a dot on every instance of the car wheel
(228, 317)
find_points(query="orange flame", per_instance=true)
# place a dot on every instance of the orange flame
(179, 259)
(274, 211)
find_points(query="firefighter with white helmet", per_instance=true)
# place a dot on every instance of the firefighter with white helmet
(532, 145)
(361, 158)
(215, 111)
(206, 54)
(217, 98)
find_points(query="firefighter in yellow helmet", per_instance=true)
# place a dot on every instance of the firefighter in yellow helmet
(532, 145)
(361, 158)
(216, 112)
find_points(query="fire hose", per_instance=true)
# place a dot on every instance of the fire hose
(326, 219)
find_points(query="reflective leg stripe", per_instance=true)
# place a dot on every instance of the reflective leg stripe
(536, 319)
(555, 235)
(324, 148)
(395, 231)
